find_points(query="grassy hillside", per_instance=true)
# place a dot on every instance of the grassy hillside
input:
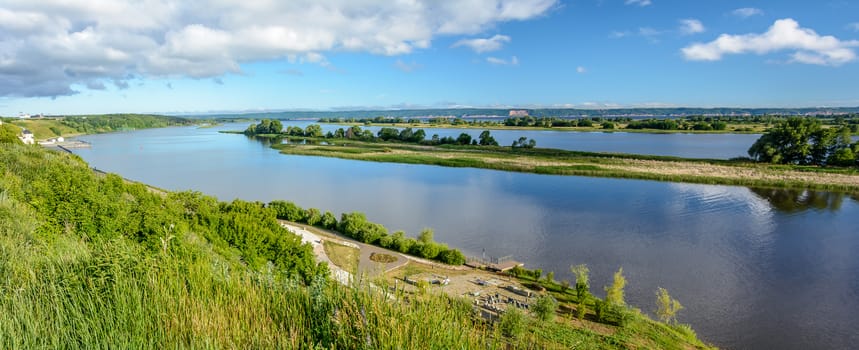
(93, 124)
(89, 261)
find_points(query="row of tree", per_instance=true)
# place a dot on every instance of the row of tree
(407, 135)
(92, 124)
(805, 141)
(356, 225)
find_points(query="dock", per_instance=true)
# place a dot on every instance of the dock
(503, 264)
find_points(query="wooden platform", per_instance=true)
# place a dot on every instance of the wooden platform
(504, 266)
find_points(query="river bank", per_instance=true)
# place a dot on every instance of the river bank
(559, 162)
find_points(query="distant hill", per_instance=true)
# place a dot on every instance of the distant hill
(539, 112)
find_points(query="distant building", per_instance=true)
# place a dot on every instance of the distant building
(23, 116)
(518, 113)
(27, 137)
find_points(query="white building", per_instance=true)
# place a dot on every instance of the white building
(23, 116)
(27, 137)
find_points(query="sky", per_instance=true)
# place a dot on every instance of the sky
(167, 56)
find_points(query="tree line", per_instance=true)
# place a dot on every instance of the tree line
(406, 135)
(92, 124)
(355, 225)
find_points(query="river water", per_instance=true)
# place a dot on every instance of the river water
(713, 146)
(755, 269)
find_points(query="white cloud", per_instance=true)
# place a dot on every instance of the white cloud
(784, 35)
(513, 61)
(691, 26)
(581, 70)
(747, 12)
(48, 46)
(407, 67)
(641, 3)
(648, 33)
(854, 26)
(484, 45)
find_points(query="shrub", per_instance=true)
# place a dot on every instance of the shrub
(512, 322)
(544, 308)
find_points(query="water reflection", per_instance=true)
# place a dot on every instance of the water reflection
(794, 201)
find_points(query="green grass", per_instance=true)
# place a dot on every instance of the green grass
(343, 256)
(45, 128)
(574, 163)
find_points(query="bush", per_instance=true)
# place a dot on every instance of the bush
(512, 322)
(452, 257)
(544, 308)
(288, 211)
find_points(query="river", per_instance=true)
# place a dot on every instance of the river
(755, 269)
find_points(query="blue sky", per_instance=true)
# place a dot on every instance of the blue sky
(168, 56)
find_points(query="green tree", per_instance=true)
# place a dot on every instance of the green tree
(545, 307)
(426, 236)
(387, 134)
(275, 127)
(512, 322)
(313, 130)
(666, 307)
(463, 139)
(614, 293)
(329, 221)
(583, 286)
(550, 277)
(289, 211)
(790, 142)
(452, 257)
(486, 139)
(313, 216)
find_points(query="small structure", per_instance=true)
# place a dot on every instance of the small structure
(504, 266)
(518, 113)
(27, 137)
(519, 291)
(23, 116)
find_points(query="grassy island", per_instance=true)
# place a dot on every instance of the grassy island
(560, 162)
(798, 153)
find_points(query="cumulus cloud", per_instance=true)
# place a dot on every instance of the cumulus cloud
(484, 45)
(641, 3)
(691, 26)
(747, 12)
(513, 61)
(784, 35)
(48, 46)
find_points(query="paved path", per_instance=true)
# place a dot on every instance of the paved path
(366, 267)
(315, 241)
